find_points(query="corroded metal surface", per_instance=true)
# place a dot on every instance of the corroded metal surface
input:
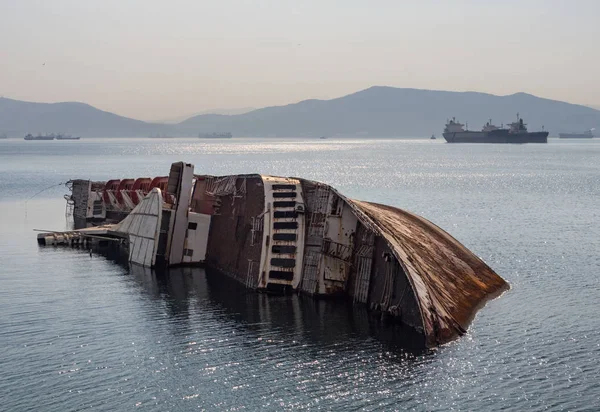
(274, 233)
(450, 282)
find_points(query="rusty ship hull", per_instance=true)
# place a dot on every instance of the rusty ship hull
(282, 234)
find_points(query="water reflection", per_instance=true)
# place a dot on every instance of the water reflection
(303, 319)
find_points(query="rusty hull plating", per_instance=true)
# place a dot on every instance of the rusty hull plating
(451, 282)
(291, 234)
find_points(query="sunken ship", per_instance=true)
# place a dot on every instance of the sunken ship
(284, 234)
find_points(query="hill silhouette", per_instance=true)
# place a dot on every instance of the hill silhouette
(18, 118)
(377, 111)
(388, 111)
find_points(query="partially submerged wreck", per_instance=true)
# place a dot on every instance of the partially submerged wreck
(283, 234)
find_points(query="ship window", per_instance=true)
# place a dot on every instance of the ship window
(284, 194)
(291, 237)
(281, 274)
(283, 249)
(285, 225)
(284, 214)
(284, 263)
(284, 187)
(283, 203)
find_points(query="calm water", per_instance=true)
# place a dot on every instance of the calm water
(80, 332)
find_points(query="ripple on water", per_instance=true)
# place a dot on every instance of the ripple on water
(81, 332)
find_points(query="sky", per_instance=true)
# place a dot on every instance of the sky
(159, 59)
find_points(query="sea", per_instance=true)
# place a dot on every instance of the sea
(86, 332)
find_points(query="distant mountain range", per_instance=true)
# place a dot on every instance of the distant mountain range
(18, 118)
(377, 111)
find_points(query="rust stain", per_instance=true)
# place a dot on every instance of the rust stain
(451, 283)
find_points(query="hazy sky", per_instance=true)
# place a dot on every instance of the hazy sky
(153, 59)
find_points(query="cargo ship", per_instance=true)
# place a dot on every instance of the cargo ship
(585, 135)
(39, 137)
(517, 132)
(220, 135)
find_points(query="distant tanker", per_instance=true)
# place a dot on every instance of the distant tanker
(585, 135)
(454, 132)
(39, 137)
(220, 135)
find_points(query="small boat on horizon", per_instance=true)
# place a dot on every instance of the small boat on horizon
(51, 136)
(67, 137)
(432, 137)
(219, 135)
(588, 134)
(29, 136)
